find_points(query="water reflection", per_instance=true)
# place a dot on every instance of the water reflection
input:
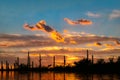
(12, 75)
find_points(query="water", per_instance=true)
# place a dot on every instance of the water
(11, 75)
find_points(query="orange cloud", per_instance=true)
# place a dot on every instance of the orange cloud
(97, 44)
(72, 41)
(117, 42)
(41, 25)
(81, 22)
(11, 43)
(109, 45)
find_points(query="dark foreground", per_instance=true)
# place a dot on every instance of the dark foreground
(15, 75)
(82, 66)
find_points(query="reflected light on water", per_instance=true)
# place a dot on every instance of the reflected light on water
(12, 75)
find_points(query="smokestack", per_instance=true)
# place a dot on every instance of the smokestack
(18, 61)
(14, 66)
(28, 60)
(11, 67)
(32, 64)
(87, 55)
(7, 65)
(1, 65)
(39, 60)
(54, 62)
(64, 61)
(92, 59)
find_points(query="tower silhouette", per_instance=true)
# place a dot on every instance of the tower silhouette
(1, 65)
(28, 60)
(39, 60)
(87, 55)
(53, 61)
(17, 61)
(92, 59)
(7, 65)
(32, 64)
(64, 61)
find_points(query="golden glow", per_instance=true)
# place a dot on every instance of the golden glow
(56, 36)
(52, 48)
(106, 49)
(73, 42)
(72, 58)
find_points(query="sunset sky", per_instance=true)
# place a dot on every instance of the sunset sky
(82, 24)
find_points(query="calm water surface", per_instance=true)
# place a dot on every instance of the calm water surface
(11, 75)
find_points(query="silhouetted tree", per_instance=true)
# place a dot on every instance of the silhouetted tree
(118, 60)
(100, 61)
(111, 60)
(23, 67)
(83, 65)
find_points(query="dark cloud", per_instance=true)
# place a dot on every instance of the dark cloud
(41, 25)
(98, 43)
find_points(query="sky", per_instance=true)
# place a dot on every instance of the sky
(67, 18)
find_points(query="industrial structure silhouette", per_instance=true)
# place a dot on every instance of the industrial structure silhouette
(86, 65)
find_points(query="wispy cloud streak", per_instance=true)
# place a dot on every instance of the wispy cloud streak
(94, 15)
(115, 14)
(81, 22)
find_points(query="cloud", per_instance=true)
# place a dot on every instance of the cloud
(105, 44)
(98, 43)
(42, 43)
(3, 45)
(90, 14)
(117, 42)
(115, 14)
(10, 43)
(41, 25)
(75, 45)
(109, 46)
(65, 31)
(81, 22)
(8, 40)
(95, 44)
